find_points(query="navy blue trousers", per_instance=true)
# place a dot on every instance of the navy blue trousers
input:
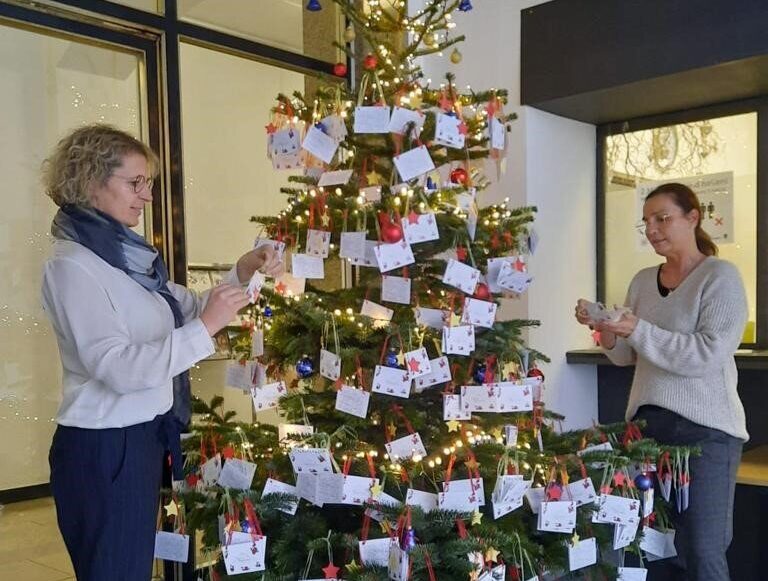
(106, 487)
(704, 531)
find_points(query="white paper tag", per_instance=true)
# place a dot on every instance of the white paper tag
(391, 381)
(356, 490)
(582, 554)
(458, 340)
(535, 496)
(420, 228)
(376, 311)
(401, 117)
(417, 363)
(318, 243)
(427, 501)
(257, 350)
(273, 486)
(497, 133)
(493, 269)
(478, 313)
(237, 474)
(617, 510)
(632, 574)
(293, 431)
(557, 516)
(440, 373)
(283, 142)
(335, 178)
(396, 289)
(211, 470)
(352, 401)
(245, 557)
(330, 365)
(312, 460)
(461, 276)
(370, 194)
(371, 119)
(242, 376)
(582, 491)
(352, 245)
(375, 551)
(452, 408)
(171, 546)
(658, 543)
(513, 280)
(319, 144)
(398, 563)
(432, 318)
(623, 535)
(406, 447)
(306, 266)
(266, 397)
(510, 436)
(392, 256)
(447, 131)
(369, 259)
(413, 163)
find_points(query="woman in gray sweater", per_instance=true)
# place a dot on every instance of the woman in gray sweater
(686, 321)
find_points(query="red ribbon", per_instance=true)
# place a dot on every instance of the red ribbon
(398, 410)
(371, 466)
(366, 528)
(462, 528)
(253, 520)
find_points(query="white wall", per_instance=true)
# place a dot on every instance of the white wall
(550, 164)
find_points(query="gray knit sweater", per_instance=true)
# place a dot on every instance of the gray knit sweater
(684, 343)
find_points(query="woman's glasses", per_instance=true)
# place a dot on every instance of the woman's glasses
(139, 182)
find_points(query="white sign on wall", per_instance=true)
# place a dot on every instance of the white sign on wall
(715, 192)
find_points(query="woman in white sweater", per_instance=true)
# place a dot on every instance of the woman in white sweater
(127, 337)
(686, 321)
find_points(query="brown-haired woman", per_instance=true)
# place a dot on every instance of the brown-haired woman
(686, 321)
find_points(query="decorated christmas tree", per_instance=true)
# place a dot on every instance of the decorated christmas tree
(413, 441)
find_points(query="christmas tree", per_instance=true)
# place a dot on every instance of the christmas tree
(414, 426)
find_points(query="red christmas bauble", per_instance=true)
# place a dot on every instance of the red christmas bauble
(340, 70)
(461, 253)
(228, 452)
(391, 233)
(459, 176)
(535, 372)
(192, 480)
(370, 62)
(482, 292)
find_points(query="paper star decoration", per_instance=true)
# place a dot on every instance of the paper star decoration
(401, 358)
(376, 490)
(491, 554)
(280, 288)
(575, 539)
(509, 368)
(471, 464)
(455, 320)
(463, 129)
(325, 219)
(271, 128)
(496, 433)
(453, 425)
(172, 508)
(414, 365)
(374, 178)
(331, 571)
(413, 217)
(477, 517)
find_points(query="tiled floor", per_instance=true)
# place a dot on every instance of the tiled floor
(31, 548)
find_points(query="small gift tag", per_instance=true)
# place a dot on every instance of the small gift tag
(440, 373)
(383, 499)
(237, 474)
(479, 398)
(632, 574)
(401, 117)
(582, 491)
(535, 496)
(352, 245)
(458, 340)
(283, 161)
(399, 565)
(391, 256)
(508, 494)
(369, 259)
(420, 228)
(461, 276)
(470, 486)
(582, 554)
(472, 218)
(373, 119)
(498, 134)
(375, 552)
(406, 447)
(242, 376)
(427, 501)
(462, 495)
(245, 557)
(417, 363)
(510, 436)
(376, 311)
(276, 244)
(396, 289)
(514, 397)
(452, 408)
(257, 347)
(356, 490)
(493, 269)
(432, 318)
(623, 535)
(335, 178)
(171, 546)
(498, 573)
(413, 163)
(391, 381)
(276, 487)
(513, 280)
(211, 470)
(283, 142)
(307, 487)
(306, 266)
(352, 401)
(330, 488)
(617, 510)
(330, 365)
(370, 194)
(318, 243)
(312, 460)
(335, 127)
(447, 131)
(557, 516)
(658, 543)
(478, 313)
(254, 286)
(319, 144)
(604, 447)
(266, 397)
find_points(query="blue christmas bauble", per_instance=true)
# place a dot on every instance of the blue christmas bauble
(321, 126)
(479, 373)
(409, 540)
(643, 481)
(430, 186)
(390, 359)
(246, 528)
(305, 367)
(267, 311)
(314, 5)
(465, 5)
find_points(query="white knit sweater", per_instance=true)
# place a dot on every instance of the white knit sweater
(684, 343)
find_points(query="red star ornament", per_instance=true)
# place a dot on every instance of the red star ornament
(446, 104)
(463, 130)
(619, 479)
(271, 128)
(331, 571)
(413, 217)
(280, 288)
(414, 365)
(519, 265)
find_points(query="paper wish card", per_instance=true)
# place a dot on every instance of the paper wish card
(352, 245)
(383, 499)
(479, 398)
(510, 436)
(266, 397)
(356, 490)
(582, 554)
(471, 486)
(245, 557)
(370, 194)
(557, 516)
(478, 313)
(318, 243)
(497, 133)
(391, 256)
(372, 119)
(293, 431)
(493, 269)
(420, 228)
(276, 487)
(312, 460)
(632, 574)
(171, 546)
(276, 244)
(447, 131)
(427, 501)
(400, 119)
(338, 177)
(257, 345)
(440, 373)
(237, 474)
(307, 487)
(406, 447)
(452, 408)
(461, 276)
(497, 573)
(306, 266)
(330, 365)
(582, 491)
(432, 318)
(417, 363)
(284, 141)
(319, 144)
(623, 535)
(399, 563)
(241, 376)
(211, 470)
(375, 551)
(617, 510)
(353, 401)
(535, 496)
(513, 280)
(658, 543)
(376, 311)
(335, 127)
(391, 381)
(413, 163)
(369, 258)
(396, 289)
(459, 340)
(513, 397)
(254, 286)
